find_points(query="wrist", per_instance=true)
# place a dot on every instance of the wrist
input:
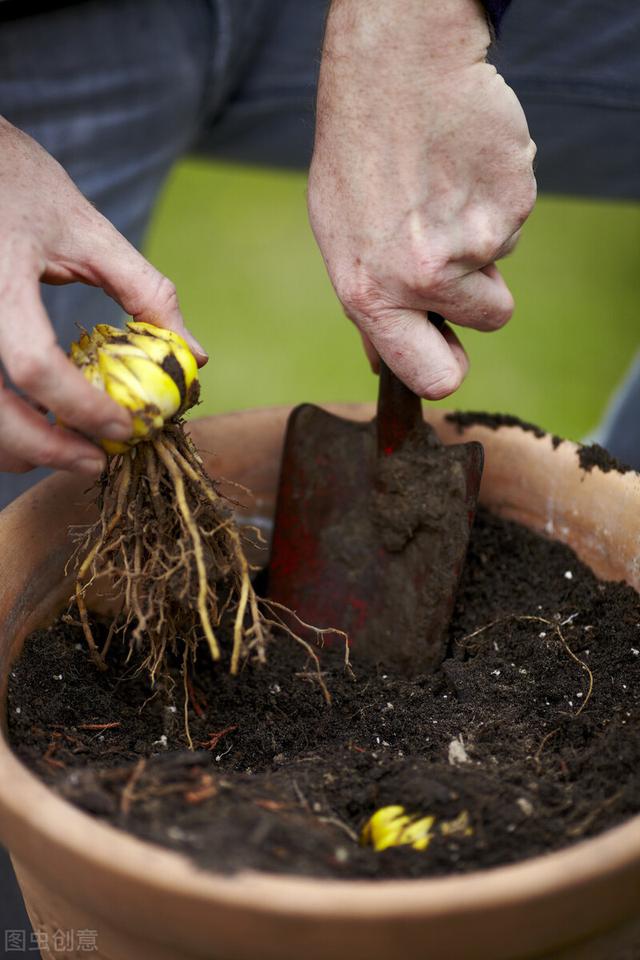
(443, 34)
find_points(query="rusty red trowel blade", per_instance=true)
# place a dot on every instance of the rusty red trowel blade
(371, 533)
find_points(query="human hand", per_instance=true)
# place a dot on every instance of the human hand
(50, 232)
(421, 179)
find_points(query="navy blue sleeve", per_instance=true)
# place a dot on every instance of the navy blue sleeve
(495, 11)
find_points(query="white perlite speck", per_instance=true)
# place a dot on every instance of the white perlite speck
(457, 752)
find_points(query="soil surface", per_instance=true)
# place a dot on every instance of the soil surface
(593, 455)
(529, 732)
(590, 455)
(471, 418)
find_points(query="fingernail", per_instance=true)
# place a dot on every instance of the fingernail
(195, 346)
(115, 430)
(92, 467)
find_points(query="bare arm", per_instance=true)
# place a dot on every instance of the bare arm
(421, 178)
(50, 232)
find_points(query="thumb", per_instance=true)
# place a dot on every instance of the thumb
(430, 362)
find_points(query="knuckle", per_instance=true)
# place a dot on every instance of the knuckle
(485, 250)
(428, 277)
(487, 243)
(26, 370)
(359, 297)
(49, 454)
(154, 294)
(430, 286)
(166, 295)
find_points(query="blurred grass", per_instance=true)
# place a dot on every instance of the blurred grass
(254, 291)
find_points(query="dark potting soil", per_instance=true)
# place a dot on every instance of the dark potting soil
(590, 455)
(530, 729)
(471, 418)
(593, 455)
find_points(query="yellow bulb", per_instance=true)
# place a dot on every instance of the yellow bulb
(460, 826)
(180, 350)
(392, 826)
(385, 827)
(147, 370)
(152, 347)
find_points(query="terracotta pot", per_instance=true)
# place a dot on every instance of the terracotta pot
(147, 903)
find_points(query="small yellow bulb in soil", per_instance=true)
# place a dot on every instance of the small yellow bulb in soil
(392, 826)
(166, 539)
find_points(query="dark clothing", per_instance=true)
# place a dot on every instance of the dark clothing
(496, 10)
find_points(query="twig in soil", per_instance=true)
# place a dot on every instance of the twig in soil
(51, 749)
(278, 622)
(544, 742)
(185, 705)
(302, 800)
(98, 726)
(127, 795)
(63, 734)
(319, 632)
(204, 791)
(343, 826)
(272, 805)
(215, 738)
(584, 825)
(312, 676)
(197, 702)
(556, 629)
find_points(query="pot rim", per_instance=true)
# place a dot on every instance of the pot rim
(32, 805)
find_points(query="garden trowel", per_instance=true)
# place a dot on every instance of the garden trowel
(372, 526)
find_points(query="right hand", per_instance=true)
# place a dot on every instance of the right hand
(421, 179)
(50, 232)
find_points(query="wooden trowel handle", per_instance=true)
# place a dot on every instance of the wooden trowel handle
(399, 409)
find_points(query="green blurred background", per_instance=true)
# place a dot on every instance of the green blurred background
(254, 290)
